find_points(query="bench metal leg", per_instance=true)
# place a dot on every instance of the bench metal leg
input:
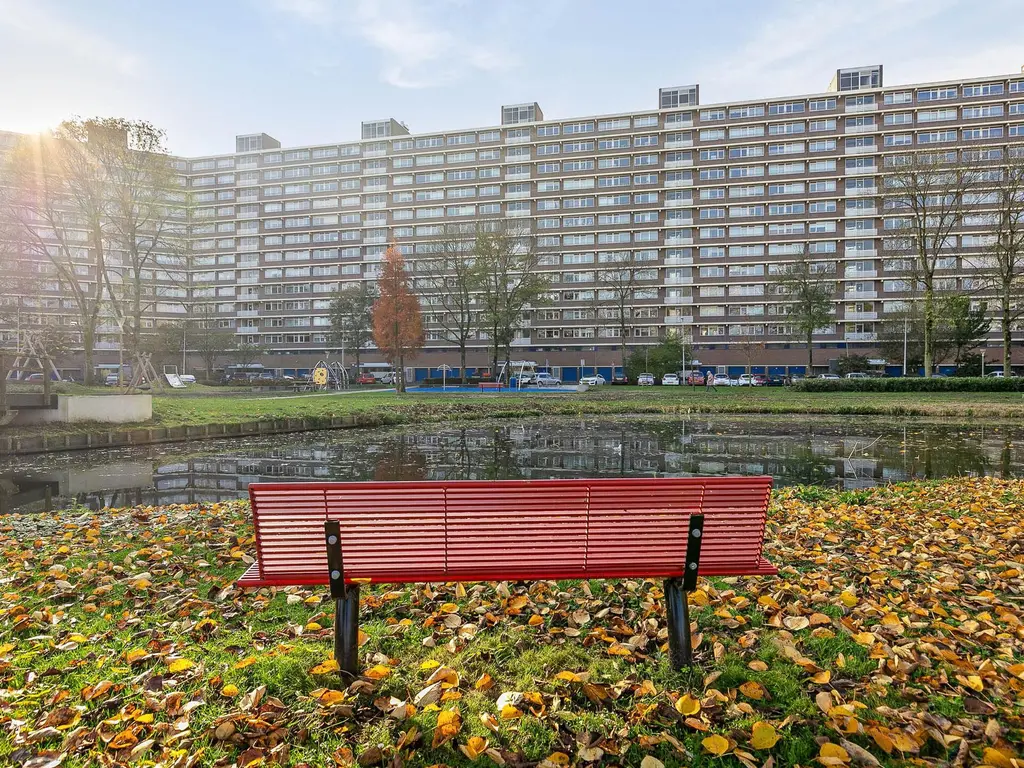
(346, 631)
(677, 608)
(678, 615)
(346, 604)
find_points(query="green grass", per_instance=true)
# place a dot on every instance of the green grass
(385, 407)
(74, 613)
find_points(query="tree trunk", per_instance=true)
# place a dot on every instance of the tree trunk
(3, 382)
(88, 342)
(1006, 331)
(462, 362)
(810, 353)
(400, 373)
(929, 331)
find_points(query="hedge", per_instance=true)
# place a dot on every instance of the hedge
(952, 384)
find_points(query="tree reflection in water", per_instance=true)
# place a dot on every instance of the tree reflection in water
(849, 452)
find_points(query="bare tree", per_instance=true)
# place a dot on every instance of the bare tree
(206, 339)
(510, 281)
(54, 205)
(811, 300)
(351, 314)
(617, 286)
(1002, 270)
(927, 196)
(146, 214)
(451, 277)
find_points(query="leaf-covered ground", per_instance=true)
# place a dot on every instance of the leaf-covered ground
(893, 635)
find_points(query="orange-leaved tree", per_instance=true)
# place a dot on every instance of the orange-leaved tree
(397, 321)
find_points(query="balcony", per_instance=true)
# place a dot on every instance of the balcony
(678, 241)
(675, 261)
(862, 108)
(374, 240)
(852, 274)
(517, 195)
(859, 254)
(375, 153)
(374, 206)
(679, 280)
(678, 319)
(684, 144)
(247, 313)
(679, 300)
(679, 164)
(861, 233)
(517, 139)
(517, 177)
(679, 204)
(517, 214)
(860, 296)
(862, 192)
(851, 316)
(869, 171)
(860, 337)
(861, 212)
(861, 129)
(680, 183)
(867, 150)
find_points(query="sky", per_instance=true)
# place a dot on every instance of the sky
(309, 71)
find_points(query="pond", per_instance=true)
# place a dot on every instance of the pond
(846, 452)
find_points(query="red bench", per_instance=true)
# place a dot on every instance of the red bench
(485, 385)
(344, 534)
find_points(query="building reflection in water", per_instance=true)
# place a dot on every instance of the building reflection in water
(793, 450)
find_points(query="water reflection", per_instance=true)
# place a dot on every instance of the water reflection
(850, 454)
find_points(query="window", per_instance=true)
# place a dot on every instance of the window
(779, 129)
(756, 150)
(712, 134)
(822, 145)
(992, 132)
(618, 124)
(822, 105)
(645, 141)
(712, 154)
(746, 131)
(983, 89)
(787, 108)
(710, 233)
(738, 113)
(819, 126)
(708, 115)
(902, 97)
(937, 94)
(935, 137)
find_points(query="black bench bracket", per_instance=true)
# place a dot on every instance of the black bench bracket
(346, 604)
(676, 606)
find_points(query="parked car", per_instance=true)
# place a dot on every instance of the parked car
(366, 378)
(593, 381)
(187, 378)
(620, 379)
(546, 380)
(390, 378)
(267, 376)
(995, 375)
(857, 375)
(723, 380)
(776, 381)
(111, 380)
(760, 380)
(829, 376)
(670, 380)
(695, 379)
(645, 380)
(745, 380)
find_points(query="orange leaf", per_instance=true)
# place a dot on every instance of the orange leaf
(752, 690)
(449, 721)
(123, 739)
(475, 747)
(325, 668)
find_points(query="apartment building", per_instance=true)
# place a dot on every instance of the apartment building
(706, 201)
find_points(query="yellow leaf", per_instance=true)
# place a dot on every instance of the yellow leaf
(508, 712)
(143, 717)
(752, 690)
(833, 754)
(6, 648)
(449, 721)
(78, 638)
(569, 677)
(973, 682)
(650, 761)
(449, 608)
(687, 705)
(763, 736)
(716, 745)
(822, 677)
(475, 747)
(245, 663)
(361, 580)
(430, 664)
(180, 665)
(327, 696)
(377, 672)
(123, 739)
(313, 627)
(485, 683)
(325, 668)
(848, 599)
(864, 638)
(135, 654)
(618, 649)
(229, 690)
(535, 620)
(997, 757)
(558, 758)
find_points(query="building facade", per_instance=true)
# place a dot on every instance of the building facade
(704, 201)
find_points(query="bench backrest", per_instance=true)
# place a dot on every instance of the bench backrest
(509, 530)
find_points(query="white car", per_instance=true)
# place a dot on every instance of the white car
(593, 381)
(723, 380)
(670, 380)
(857, 375)
(645, 380)
(546, 380)
(745, 380)
(829, 376)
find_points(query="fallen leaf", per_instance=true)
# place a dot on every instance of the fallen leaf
(763, 736)
(716, 745)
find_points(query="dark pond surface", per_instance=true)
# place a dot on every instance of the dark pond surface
(851, 452)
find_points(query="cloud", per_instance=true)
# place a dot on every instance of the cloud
(419, 43)
(36, 25)
(803, 43)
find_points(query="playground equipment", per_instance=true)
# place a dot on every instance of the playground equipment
(327, 376)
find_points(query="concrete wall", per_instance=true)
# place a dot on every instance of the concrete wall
(105, 409)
